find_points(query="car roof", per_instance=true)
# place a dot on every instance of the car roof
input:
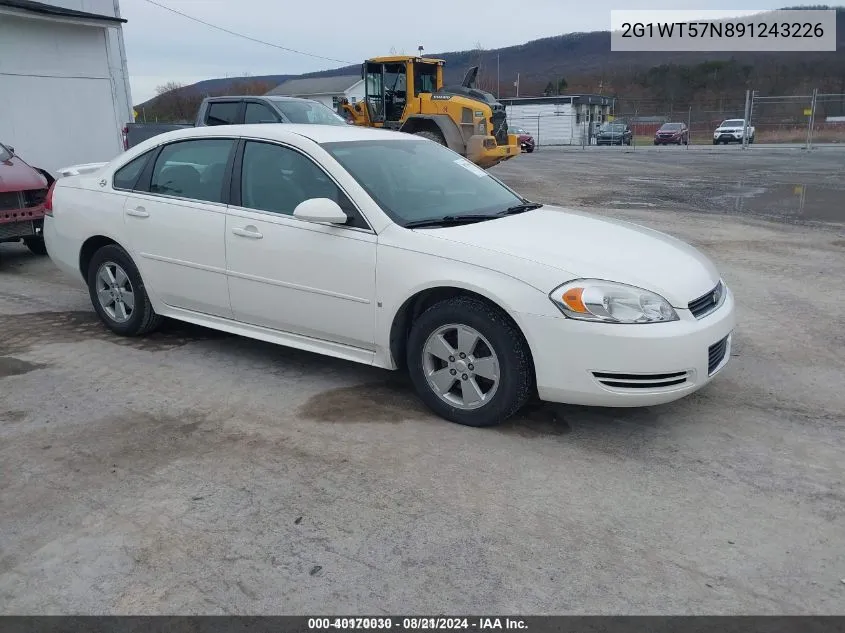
(283, 131)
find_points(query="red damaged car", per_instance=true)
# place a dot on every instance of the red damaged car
(23, 190)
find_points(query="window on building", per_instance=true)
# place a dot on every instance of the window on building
(335, 102)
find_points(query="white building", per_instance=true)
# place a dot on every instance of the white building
(559, 120)
(326, 90)
(64, 85)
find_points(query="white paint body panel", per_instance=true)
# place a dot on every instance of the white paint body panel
(336, 290)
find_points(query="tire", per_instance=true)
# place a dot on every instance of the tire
(437, 137)
(142, 318)
(715, 142)
(497, 337)
(36, 245)
(530, 150)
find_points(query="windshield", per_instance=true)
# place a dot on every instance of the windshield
(4, 153)
(612, 127)
(516, 130)
(417, 180)
(671, 127)
(312, 112)
(733, 123)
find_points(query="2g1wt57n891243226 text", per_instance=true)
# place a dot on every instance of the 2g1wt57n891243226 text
(709, 30)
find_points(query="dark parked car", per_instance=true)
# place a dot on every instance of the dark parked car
(23, 189)
(526, 141)
(672, 134)
(616, 133)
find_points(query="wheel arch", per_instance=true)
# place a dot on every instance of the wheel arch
(91, 246)
(436, 123)
(423, 298)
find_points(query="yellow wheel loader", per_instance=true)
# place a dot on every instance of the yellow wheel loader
(407, 94)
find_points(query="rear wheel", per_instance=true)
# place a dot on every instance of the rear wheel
(36, 245)
(437, 137)
(469, 363)
(118, 295)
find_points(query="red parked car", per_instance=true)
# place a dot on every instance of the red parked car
(526, 141)
(23, 190)
(672, 134)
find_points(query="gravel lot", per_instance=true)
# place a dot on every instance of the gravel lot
(197, 472)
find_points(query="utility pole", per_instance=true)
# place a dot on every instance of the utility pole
(745, 119)
(812, 119)
(498, 91)
(516, 83)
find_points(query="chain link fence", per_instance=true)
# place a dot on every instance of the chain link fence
(807, 119)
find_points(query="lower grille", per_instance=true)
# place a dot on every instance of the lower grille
(716, 354)
(641, 381)
(16, 229)
(10, 200)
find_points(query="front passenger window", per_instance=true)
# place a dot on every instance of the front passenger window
(192, 169)
(277, 179)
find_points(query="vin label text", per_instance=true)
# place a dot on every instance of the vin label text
(707, 30)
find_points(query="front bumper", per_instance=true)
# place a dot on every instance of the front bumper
(485, 152)
(728, 138)
(614, 365)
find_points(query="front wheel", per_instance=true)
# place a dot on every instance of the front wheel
(469, 363)
(118, 295)
(432, 136)
(36, 245)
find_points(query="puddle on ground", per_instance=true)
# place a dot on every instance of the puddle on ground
(790, 202)
(388, 401)
(10, 366)
(796, 202)
(394, 401)
(20, 332)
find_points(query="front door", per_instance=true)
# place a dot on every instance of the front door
(176, 223)
(309, 279)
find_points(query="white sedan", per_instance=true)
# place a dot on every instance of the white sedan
(390, 250)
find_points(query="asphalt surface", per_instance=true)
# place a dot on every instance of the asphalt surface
(197, 472)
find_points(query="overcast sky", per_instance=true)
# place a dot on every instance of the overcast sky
(161, 46)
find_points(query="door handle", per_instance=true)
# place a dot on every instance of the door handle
(138, 212)
(249, 231)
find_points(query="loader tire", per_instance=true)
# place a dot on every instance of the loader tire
(437, 137)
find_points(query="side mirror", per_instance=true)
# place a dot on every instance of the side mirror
(321, 210)
(11, 149)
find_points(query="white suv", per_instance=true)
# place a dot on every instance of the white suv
(731, 131)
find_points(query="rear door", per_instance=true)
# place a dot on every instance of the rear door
(176, 221)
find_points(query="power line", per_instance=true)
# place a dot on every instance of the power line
(246, 37)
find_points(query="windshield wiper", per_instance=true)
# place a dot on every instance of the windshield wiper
(448, 220)
(520, 208)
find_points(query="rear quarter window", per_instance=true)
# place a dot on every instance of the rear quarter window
(127, 176)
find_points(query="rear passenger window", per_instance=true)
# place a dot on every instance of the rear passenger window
(192, 169)
(223, 113)
(257, 113)
(127, 176)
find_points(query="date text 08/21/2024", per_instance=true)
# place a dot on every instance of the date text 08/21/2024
(417, 623)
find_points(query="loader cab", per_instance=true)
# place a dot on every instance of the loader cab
(394, 84)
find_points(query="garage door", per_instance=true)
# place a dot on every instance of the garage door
(550, 124)
(58, 121)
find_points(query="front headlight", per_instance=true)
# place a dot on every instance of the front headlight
(611, 302)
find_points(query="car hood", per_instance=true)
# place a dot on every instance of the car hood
(729, 129)
(16, 175)
(582, 245)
